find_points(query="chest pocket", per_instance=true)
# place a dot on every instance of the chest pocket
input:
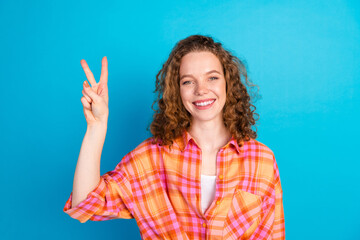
(244, 215)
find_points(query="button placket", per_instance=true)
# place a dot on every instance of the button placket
(220, 176)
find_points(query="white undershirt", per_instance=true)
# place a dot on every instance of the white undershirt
(208, 186)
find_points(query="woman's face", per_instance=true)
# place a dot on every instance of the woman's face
(202, 86)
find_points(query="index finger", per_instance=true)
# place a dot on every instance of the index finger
(88, 73)
(104, 70)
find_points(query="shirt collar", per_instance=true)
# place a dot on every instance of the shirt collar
(233, 143)
(183, 142)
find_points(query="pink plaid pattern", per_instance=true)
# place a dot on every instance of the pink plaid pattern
(160, 187)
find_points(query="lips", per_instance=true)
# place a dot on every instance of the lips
(204, 104)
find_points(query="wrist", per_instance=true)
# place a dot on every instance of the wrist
(99, 126)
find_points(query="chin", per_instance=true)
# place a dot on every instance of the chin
(204, 118)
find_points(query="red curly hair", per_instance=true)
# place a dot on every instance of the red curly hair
(171, 118)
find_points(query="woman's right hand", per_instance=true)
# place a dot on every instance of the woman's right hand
(95, 98)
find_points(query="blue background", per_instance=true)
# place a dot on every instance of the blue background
(304, 56)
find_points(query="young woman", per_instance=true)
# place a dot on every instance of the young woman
(202, 175)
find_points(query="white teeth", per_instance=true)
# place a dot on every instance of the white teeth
(204, 103)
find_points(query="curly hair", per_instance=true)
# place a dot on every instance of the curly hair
(171, 118)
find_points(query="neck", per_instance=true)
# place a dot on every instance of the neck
(210, 136)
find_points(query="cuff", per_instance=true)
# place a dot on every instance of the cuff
(88, 207)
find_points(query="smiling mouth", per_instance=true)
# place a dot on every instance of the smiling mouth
(203, 103)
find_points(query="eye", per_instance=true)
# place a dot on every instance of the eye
(186, 82)
(213, 78)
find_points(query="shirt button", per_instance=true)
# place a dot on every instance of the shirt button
(221, 176)
(217, 202)
(204, 224)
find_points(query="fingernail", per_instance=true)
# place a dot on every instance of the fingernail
(86, 84)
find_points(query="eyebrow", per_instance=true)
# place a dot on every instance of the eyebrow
(189, 75)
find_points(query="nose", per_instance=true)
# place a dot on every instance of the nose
(201, 88)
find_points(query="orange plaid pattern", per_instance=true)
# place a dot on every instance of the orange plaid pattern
(161, 189)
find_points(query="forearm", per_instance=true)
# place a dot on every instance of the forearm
(87, 172)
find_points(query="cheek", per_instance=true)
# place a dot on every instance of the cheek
(224, 88)
(186, 101)
(220, 89)
(184, 95)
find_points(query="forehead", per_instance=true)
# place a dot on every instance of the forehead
(199, 62)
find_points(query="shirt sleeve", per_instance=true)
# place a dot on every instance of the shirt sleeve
(111, 199)
(278, 231)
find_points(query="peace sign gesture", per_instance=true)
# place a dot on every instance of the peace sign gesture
(95, 98)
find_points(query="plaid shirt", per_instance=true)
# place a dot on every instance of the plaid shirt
(161, 188)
